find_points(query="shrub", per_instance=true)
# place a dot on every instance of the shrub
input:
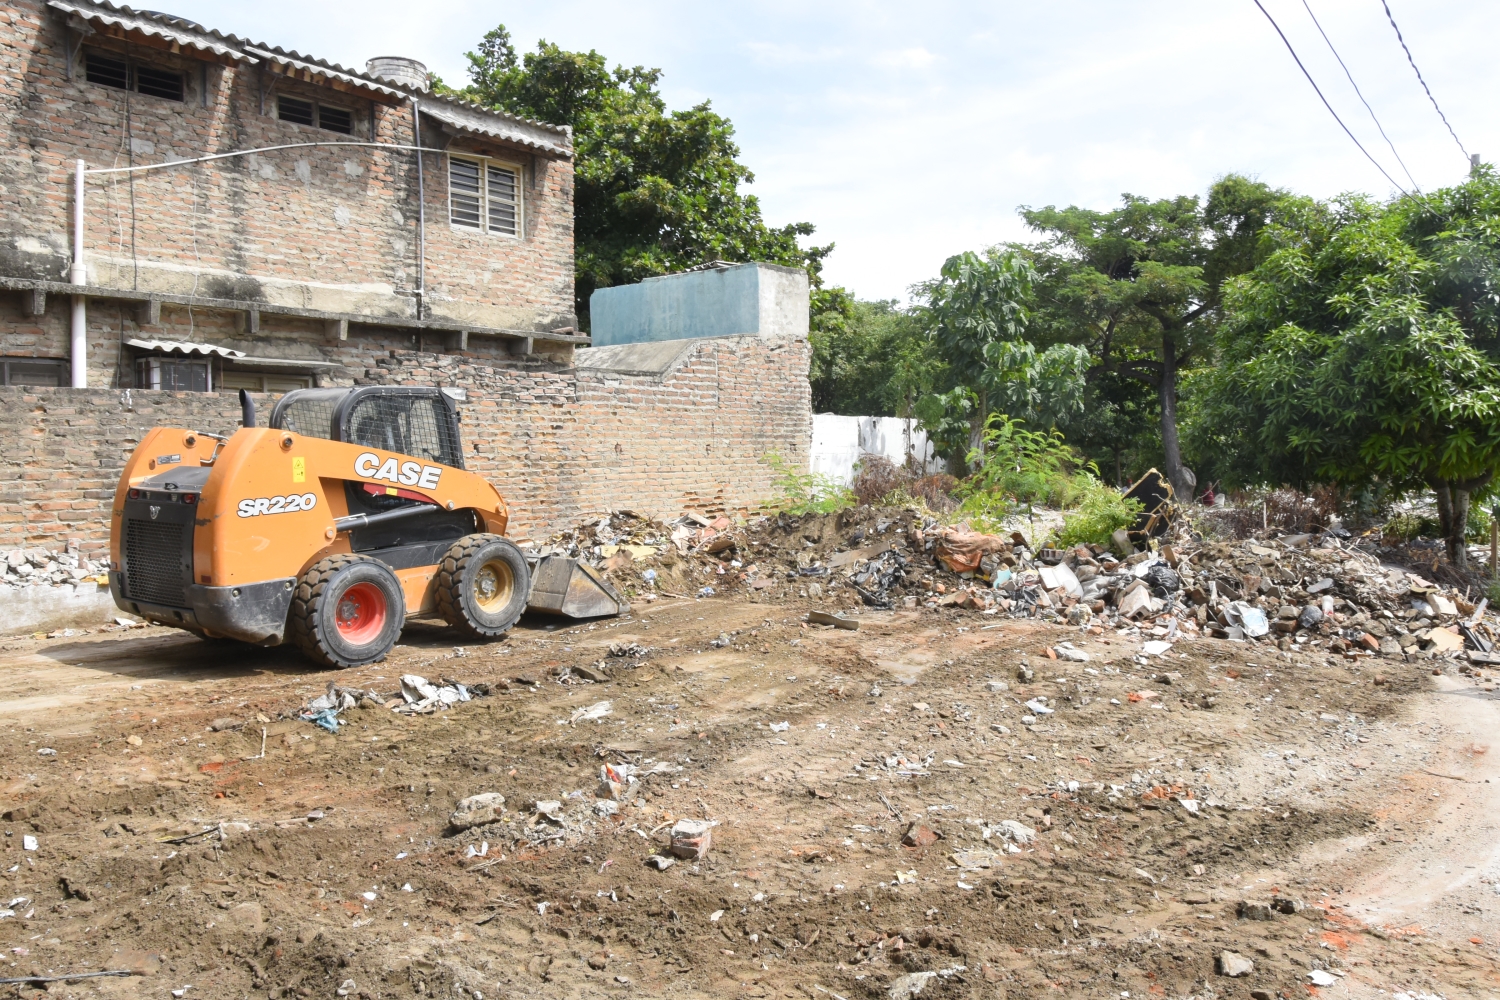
(806, 492)
(1018, 468)
(1102, 510)
(880, 482)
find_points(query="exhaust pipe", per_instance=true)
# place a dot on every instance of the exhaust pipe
(247, 410)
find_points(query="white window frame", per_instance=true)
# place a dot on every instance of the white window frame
(484, 165)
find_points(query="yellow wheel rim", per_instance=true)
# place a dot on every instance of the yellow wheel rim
(493, 585)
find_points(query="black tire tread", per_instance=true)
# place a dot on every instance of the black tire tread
(305, 602)
(450, 581)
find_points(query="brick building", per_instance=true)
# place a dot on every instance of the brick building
(268, 269)
(333, 264)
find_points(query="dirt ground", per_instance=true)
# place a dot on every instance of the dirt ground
(1173, 799)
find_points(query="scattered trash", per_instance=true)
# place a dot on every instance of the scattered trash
(661, 862)
(837, 621)
(1039, 706)
(1321, 978)
(594, 712)
(780, 727)
(422, 697)
(28, 842)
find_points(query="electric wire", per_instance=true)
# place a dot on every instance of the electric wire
(1390, 17)
(1362, 100)
(1335, 114)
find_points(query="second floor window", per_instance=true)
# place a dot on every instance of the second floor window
(484, 195)
(108, 70)
(323, 116)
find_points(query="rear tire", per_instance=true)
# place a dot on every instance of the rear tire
(483, 584)
(347, 611)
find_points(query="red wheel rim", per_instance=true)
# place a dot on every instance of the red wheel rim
(360, 614)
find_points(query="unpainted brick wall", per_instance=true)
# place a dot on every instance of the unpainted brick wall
(325, 227)
(559, 445)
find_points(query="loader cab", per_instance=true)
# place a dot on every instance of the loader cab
(420, 421)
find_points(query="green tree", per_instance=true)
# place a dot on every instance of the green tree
(1364, 349)
(1140, 285)
(977, 302)
(868, 358)
(656, 191)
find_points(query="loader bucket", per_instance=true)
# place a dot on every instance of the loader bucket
(571, 587)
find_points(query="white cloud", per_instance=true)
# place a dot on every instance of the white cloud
(906, 133)
(918, 58)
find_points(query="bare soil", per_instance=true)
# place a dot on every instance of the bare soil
(1361, 793)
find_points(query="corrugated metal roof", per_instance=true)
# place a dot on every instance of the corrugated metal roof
(171, 29)
(310, 65)
(228, 353)
(468, 118)
(184, 347)
(554, 139)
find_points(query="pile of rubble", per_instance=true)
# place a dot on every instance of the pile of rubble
(46, 567)
(1305, 591)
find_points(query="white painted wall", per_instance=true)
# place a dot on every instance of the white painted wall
(838, 442)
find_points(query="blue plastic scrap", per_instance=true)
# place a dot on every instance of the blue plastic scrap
(327, 719)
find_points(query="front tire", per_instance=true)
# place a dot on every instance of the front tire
(347, 611)
(483, 584)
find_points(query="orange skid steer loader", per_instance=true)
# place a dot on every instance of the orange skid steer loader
(351, 512)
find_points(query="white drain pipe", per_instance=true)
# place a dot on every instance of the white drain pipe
(78, 275)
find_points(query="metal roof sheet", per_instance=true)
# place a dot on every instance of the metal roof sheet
(474, 120)
(228, 353)
(152, 25)
(554, 139)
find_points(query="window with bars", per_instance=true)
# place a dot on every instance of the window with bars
(484, 195)
(323, 116)
(116, 71)
(173, 373)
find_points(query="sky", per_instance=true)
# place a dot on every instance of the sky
(910, 132)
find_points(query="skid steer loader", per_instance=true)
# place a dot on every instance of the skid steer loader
(351, 512)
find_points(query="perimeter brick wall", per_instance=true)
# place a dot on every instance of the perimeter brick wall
(559, 445)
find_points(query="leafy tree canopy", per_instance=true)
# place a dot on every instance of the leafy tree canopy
(1366, 347)
(1140, 285)
(656, 191)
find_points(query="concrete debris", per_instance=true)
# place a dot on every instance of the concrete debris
(477, 810)
(1234, 965)
(692, 838)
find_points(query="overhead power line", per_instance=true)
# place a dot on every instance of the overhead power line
(1362, 100)
(1423, 82)
(1335, 114)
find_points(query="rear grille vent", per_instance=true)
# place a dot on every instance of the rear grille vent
(153, 562)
